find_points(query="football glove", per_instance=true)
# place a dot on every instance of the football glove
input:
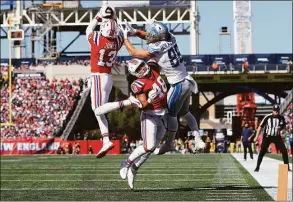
(129, 27)
(135, 101)
(152, 95)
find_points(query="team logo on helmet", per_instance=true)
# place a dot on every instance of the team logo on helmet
(157, 32)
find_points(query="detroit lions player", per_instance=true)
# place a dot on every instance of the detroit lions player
(162, 46)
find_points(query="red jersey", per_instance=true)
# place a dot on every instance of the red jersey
(145, 85)
(104, 51)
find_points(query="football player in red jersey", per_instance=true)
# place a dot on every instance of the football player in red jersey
(151, 95)
(104, 47)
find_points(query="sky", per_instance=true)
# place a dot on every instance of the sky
(271, 29)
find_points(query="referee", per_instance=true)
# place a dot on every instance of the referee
(271, 125)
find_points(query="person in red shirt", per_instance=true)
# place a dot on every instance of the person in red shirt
(151, 96)
(104, 45)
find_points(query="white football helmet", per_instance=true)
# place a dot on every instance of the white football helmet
(108, 12)
(138, 68)
(109, 28)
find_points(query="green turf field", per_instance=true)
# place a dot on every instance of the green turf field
(169, 177)
(278, 157)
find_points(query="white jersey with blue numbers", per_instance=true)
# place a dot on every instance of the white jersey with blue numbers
(168, 56)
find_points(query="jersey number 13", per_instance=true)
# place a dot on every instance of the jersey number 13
(108, 58)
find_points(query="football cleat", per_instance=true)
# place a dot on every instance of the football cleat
(124, 169)
(130, 177)
(199, 144)
(106, 147)
(163, 149)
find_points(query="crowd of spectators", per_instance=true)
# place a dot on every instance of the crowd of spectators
(288, 131)
(4, 73)
(40, 108)
(66, 62)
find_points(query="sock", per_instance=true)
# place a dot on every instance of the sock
(191, 121)
(138, 152)
(103, 124)
(139, 161)
(172, 129)
(105, 138)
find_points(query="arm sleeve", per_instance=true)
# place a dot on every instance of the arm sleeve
(90, 28)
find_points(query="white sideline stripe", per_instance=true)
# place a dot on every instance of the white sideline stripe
(104, 180)
(11, 160)
(113, 167)
(111, 174)
(109, 189)
(142, 171)
(268, 174)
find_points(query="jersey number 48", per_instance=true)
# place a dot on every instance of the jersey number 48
(161, 87)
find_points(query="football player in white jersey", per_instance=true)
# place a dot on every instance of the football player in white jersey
(162, 47)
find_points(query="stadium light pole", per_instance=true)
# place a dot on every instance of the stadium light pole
(194, 28)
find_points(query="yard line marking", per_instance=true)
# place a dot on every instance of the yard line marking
(105, 174)
(115, 167)
(143, 170)
(112, 189)
(104, 180)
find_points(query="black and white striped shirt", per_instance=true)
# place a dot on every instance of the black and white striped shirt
(272, 125)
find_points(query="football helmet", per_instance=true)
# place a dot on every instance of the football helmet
(109, 28)
(108, 12)
(138, 68)
(157, 31)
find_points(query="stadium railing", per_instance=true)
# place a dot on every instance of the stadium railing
(75, 115)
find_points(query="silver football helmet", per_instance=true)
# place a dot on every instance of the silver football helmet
(157, 31)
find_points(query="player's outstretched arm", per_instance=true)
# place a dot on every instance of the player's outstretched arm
(112, 106)
(136, 52)
(90, 28)
(141, 34)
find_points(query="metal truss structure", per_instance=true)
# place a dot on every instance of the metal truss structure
(242, 27)
(45, 22)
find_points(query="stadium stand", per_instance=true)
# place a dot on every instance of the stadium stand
(288, 114)
(40, 108)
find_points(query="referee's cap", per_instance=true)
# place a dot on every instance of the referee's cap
(276, 108)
